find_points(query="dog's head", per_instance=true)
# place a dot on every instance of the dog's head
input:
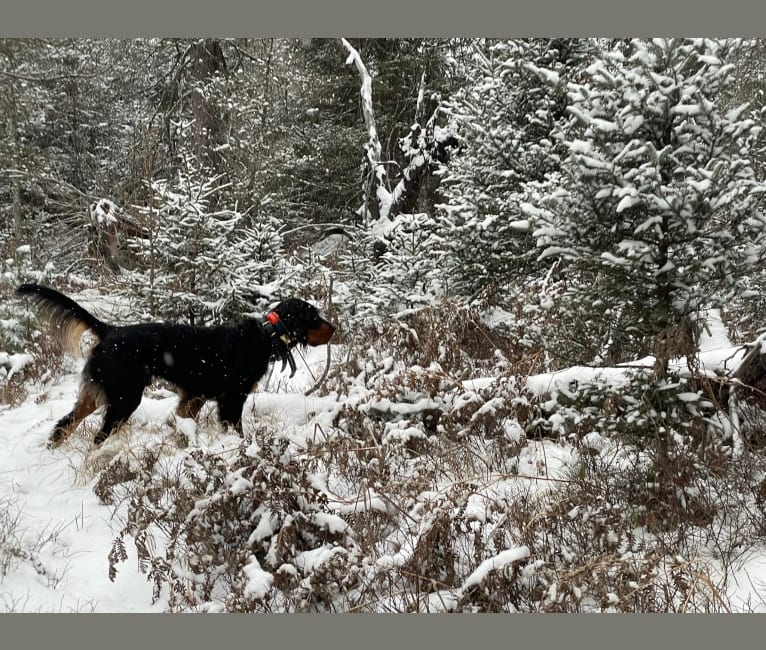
(303, 322)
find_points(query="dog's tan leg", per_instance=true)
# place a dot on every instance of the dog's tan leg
(87, 402)
(185, 420)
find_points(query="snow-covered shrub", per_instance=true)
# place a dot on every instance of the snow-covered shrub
(587, 554)
(655, 490)
(18, 330)
(15, 321)
(506, 117)
(254, 534)
(668, 454)
(265, 528)
(746, 311)
(445, 342)
(392, 271)
(421, 493)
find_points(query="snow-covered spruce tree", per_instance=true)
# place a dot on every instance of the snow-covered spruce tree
(15, 319)
(658, 216)
(203, 265)
(402, 278)
(747, 311)
(505, 118)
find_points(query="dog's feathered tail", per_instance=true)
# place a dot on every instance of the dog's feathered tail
(68, 319)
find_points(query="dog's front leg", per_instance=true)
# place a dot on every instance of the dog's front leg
(230, 410)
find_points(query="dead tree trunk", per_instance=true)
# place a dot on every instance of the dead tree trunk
(377, 198)
(422, 147)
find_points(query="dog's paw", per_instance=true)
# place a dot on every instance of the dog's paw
(55, 440)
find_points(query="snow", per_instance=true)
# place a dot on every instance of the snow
(13, 363)
(626, 202)
(549, 76)
(71, 531)
(258, 581)
(331, 523)
(714, 334)
(51, 492)
(496, 563)
(307, 561)
(103, 212)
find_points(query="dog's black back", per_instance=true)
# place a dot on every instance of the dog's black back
(222, 362)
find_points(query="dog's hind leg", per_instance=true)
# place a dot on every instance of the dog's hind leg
(189, 406)
(87, 402)
(118, 410)
(184, 421)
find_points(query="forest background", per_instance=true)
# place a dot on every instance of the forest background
(475, 214)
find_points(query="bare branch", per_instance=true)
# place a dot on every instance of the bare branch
(20, 173)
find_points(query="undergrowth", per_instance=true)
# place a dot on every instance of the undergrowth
(421, 491)
(21, 549)
(437, 479)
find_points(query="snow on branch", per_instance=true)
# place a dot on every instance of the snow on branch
(366, 92)
(495, 563)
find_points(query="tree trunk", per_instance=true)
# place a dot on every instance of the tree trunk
(206, 60)
(377, 198)
(423, 149)
(13, 139)
(9, 104)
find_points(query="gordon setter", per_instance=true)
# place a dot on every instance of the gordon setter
(221, 363)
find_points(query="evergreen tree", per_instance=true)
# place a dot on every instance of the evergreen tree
(658, 216)
(71, 112)
(505, 116)
(205, 264)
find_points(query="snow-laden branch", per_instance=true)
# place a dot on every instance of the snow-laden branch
(495, 563)
(367, 108)
(21, 173)
(377, 198)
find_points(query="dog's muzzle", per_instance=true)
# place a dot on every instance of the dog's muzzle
(321, 335)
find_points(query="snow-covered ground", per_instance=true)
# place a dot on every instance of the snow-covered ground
(59, 517)
(56, 518)
(62, 533)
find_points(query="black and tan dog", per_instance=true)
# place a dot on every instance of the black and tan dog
(221, 363)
